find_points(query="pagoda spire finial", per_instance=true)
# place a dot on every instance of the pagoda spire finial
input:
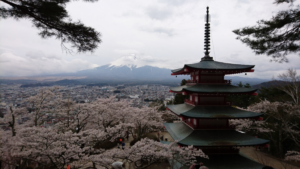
(207, 36)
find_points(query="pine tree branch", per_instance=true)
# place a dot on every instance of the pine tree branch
(277, 37)
(81, 37)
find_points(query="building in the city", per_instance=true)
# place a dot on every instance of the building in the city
(205, 114)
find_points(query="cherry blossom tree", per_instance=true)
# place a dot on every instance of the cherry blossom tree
(281, 123)
(6, 149)
(72, 138)
(289, 82)
(146, 152)
(281, 119)
(45, 101)
(145, 120)
(48, 147)
(78, 128)
(108, 113)
(292, 156)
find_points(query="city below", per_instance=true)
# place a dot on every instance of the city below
(139, 95)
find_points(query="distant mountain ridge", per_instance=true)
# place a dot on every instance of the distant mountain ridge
(127, 72)
(64, 82)
(252, 81)
(134, 69)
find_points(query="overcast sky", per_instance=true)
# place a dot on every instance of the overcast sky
(165, 33)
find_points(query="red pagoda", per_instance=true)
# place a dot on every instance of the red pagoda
(205, 115)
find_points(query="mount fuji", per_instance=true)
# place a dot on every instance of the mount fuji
(136, 68)
(128, 68)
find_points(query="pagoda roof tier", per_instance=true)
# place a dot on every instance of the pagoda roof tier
(224, 112)
(212, 65)
(228, 161)
(216, 88)
(210, 138)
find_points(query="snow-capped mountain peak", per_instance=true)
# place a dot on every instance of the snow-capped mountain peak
(131, 61)
(137, 61)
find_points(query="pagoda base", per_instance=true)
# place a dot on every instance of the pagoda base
(228, 161)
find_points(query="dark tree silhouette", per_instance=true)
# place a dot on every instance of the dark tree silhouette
(179, 98)
(277, 37)
(52, 19)
(242, 101)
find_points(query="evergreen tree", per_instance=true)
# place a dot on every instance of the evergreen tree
(273, 94)
(183, 82)
(179, 98)
(52, 19)
(277, 37)
(242, 101)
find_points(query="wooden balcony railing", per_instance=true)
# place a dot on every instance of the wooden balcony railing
(189, 101)
(191, 81)
(209, 81)
(207, 127)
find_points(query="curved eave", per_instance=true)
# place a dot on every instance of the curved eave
(211, 112)
(177, 70)
(212, 65)
(200, 88)
(228, 161)
(210, 138)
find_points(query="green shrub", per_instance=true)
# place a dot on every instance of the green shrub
(133, 142)
(108, 144)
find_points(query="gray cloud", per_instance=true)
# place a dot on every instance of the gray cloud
(234, 55)
(177, 2)
(214, 20)
(158, 13)
(39, 55)
(13, 65)
(160, 30)
(130, 13)
(35, 54)
(142, 60)
(242, 2)
(171, 30)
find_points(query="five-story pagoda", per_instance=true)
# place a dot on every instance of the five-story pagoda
(205, 115)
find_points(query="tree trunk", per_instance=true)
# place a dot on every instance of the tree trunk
(280, 150)
(12, 124)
